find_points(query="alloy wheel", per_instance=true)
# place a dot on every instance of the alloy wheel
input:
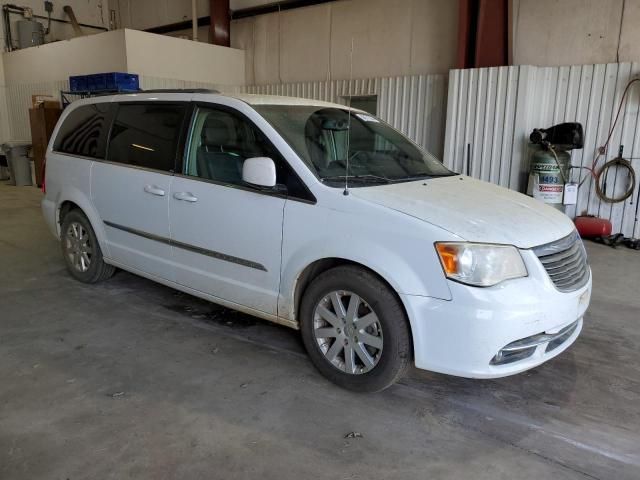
(78, 247)
(348, 332)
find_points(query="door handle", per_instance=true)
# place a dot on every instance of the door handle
(186, 196)
(154, 190)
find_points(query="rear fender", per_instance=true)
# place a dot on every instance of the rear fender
(79, 198)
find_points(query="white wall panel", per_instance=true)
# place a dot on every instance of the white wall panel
(491, 112)
(5, 134)
(415, 105)
(167, 57)
(4, 118)
(19, 102)
(399, 37)
(561, 32)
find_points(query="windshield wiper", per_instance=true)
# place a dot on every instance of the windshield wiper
(422, 176)
(361, 178)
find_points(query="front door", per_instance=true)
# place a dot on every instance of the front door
(226, 235)
(131, 189)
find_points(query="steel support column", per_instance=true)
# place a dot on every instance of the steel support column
(220, 18)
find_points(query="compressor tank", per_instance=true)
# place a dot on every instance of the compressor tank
(547, 176)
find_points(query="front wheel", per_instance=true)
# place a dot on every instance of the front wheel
(355, 329)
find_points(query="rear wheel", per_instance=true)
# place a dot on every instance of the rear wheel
(81, 251)
(355, 329)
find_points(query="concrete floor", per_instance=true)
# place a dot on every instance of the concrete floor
(129, 379)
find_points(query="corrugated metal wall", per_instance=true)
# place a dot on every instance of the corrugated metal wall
(491, 112)
(415, 105)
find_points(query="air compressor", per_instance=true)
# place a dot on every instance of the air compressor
(550, 163)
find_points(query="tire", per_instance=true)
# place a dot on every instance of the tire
(81, 251)
(379, 345)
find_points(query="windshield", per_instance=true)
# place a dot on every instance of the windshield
(376, 153)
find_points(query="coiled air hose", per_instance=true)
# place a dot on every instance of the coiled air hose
(601, 192)
(616, 162)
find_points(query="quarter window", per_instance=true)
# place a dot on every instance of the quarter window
(146, 135)
(84, 131)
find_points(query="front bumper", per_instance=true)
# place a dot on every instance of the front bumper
(464, 336)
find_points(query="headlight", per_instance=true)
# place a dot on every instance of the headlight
(480, 264)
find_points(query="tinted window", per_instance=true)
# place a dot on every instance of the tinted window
(84, 131)
(221, 140)
(146, 135)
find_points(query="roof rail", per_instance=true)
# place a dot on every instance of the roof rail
(177, 90)
(65, 95)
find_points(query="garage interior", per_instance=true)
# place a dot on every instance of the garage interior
(131, 379)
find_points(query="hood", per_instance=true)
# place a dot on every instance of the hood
(474, 210)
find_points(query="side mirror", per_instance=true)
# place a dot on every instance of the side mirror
(259, 171)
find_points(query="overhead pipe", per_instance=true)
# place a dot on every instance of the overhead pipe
(194, 20)
(8, 9)
(77, 31)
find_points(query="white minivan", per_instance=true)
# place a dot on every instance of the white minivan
(321, 218)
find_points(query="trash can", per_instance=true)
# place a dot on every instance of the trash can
(19, 162)
(4, 166)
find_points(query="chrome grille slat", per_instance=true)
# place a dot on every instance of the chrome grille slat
(579, 280)
(556, 263)
(564, 265)
(568, 285)
(559, 257)
(565, 261)
(576, 269)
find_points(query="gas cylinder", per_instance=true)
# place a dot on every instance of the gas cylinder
(590, 227)
(548, 176)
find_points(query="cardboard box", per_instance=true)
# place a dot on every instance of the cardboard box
(44, 101)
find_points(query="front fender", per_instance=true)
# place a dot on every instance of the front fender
(396, 247)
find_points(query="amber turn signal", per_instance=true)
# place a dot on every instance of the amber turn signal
(449, 257)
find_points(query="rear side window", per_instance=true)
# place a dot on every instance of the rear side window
(84, 131)
(146, 135)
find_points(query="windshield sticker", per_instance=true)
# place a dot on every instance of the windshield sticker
(367, 118)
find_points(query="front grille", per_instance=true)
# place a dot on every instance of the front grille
(565, 261)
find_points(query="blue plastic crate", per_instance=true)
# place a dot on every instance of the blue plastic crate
(116, 81)
(78, 83)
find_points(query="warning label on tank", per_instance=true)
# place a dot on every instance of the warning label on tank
(550, 188)
(548, 193)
